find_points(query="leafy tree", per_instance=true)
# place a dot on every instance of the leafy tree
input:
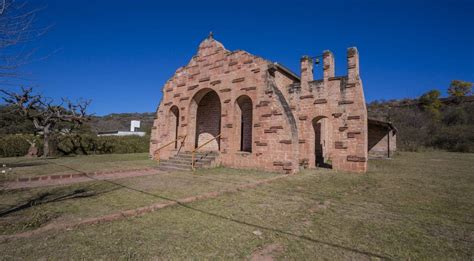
(459, 88)
(430, 102)
(13, 123)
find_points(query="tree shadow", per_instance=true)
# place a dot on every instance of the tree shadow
(24, 164)
(48, 197)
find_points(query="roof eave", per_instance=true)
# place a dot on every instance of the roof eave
(287, 71)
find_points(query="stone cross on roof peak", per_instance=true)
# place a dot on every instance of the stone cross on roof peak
(209, 45)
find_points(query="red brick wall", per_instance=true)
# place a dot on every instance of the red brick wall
(341, 101)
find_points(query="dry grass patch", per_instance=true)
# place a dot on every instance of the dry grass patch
(27, 209)
(29, 167)
(416, 206)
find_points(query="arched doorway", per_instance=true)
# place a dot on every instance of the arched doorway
(321, 141)
(243, 120)
(174, 124)
(208, 120)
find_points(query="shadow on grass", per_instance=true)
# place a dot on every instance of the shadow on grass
(46, 198)
(276, 230)
(25, 164)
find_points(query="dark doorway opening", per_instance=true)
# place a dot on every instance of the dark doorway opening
(320, 142)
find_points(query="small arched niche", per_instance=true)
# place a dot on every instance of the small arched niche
(173, 123)
(243, 122)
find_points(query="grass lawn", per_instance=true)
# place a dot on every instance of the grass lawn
(27, 167)
(66, 204)
(415, 206)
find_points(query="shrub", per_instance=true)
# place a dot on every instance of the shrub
(458, 138)
(122, 144)
(75, 144)
(14, 145)
(92, 144)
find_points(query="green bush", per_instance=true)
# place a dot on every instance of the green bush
(92, 144)
(122, 144)
(14, 145)
(455, 138)
(75, 144)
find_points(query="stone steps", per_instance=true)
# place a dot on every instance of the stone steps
(182, 161)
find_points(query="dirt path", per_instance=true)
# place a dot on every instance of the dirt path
(55, 180)
(138, 211)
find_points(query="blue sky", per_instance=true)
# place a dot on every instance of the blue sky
(120, 53)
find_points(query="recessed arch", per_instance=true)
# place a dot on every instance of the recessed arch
(205, 109)
(173, 123)
(243, 122)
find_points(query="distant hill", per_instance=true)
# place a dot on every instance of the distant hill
(121, 121)
(12, 123)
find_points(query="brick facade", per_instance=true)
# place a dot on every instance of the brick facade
(268, 117)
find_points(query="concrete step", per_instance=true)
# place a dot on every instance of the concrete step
(183, 165)
(211, 157)
(208, 153)
(188, 162)
(183, 160)
(190, 159)
(177, 165)
(170, 168)
(177, 168)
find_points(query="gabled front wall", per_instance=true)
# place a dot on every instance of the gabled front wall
(230, 75)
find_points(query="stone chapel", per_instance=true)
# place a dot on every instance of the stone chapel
(238, 110)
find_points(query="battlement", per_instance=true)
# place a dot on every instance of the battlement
(307, 66)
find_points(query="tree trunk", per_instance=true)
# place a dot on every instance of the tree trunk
(46, 142)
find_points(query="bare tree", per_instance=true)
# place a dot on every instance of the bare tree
(45, 115)
(17, 27)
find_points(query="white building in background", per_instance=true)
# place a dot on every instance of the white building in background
(133, 125)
